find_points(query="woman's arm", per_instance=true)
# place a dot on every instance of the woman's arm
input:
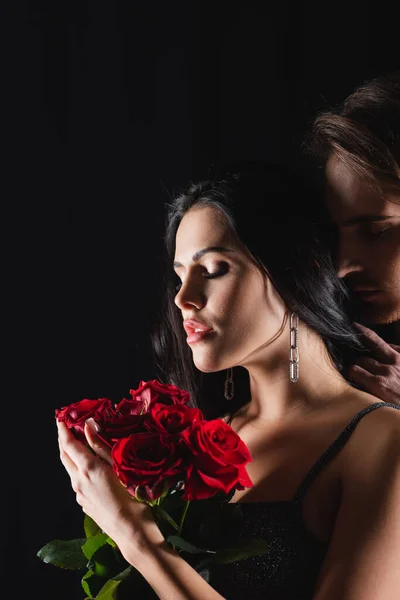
(363, 560)
(129, 523)
(172, 578)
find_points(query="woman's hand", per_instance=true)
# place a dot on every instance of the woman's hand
(129, 523)
(101, 495)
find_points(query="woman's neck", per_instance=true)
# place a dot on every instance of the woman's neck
(273, 395)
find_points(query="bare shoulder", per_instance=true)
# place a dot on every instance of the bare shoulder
(384, 419)
(375, 441)
(368, 520)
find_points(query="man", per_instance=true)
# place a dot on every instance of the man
(358, 145)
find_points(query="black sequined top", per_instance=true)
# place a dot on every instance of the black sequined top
(290, 569)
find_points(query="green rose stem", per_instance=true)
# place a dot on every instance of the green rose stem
(183, 516)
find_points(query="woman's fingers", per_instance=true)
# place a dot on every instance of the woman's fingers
(68, 463)
(95, 442)
(76, 451)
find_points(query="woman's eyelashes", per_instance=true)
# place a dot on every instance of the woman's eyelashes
(221, 270)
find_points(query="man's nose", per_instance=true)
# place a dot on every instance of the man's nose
(345, 267)
(348, 259)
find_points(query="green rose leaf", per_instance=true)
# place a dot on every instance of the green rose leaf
(66, 554)
(173, 502)
(182, 544)
(243, 549)
(109, 590)
(99, 569)
(162, 514)
(92, 584)
(92, 544)
(91, 528)
(85, 584)
(105, 561)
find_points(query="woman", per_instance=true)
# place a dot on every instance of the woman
(253, 297)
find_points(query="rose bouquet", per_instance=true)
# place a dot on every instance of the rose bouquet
(185, 467)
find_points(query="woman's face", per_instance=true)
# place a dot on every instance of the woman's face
(229, 307)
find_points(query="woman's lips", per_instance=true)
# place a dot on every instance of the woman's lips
(197, 336)
(196, 331)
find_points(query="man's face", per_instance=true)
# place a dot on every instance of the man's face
(368, 253)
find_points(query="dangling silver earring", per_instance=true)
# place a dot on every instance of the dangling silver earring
(294, 348)
(229, 388)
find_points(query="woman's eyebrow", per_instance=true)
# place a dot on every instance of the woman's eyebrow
(196, 257)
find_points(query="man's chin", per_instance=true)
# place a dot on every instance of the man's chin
(370, 314)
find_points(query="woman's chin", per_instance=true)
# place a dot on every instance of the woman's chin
(207, 365)
(207, 369)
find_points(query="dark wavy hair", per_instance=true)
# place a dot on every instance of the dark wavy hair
(363, 132)
(277, 215)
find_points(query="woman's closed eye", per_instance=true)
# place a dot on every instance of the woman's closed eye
(222, 269)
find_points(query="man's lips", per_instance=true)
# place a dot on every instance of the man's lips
(365, 294)
(196, 330)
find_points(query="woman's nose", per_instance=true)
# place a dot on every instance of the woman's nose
(189, 296)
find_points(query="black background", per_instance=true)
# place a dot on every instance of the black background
(108, 109)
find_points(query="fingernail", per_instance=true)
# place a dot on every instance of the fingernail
(93, 426)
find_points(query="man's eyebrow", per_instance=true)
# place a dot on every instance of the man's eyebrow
(365, 219)
(196, 257)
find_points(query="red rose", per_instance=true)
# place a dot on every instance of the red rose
(135, 405)
(173, 418)
(168, 394)
(75, 415)
(120, 426)
(150, 392)
(148, 463)
(219, 460)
